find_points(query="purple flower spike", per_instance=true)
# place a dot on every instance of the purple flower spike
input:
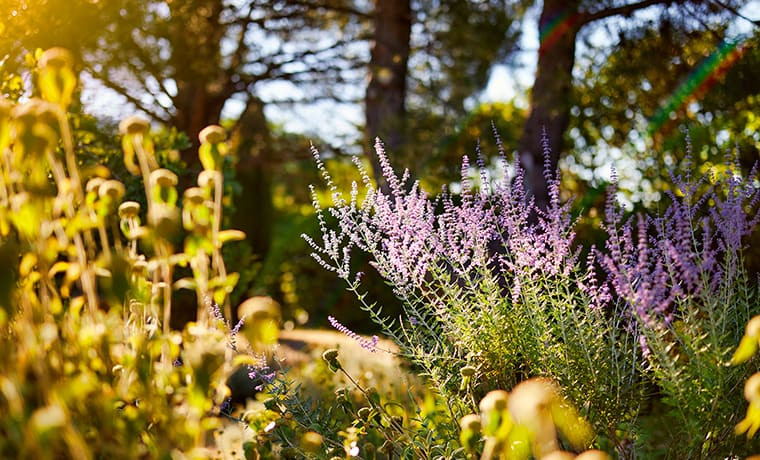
(370, 345)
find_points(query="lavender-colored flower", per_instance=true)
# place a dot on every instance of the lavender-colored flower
(261, 373)
(423, 246)
(687, 252)
(370, 345)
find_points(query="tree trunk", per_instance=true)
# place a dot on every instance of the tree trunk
(196, 39)
(386, 90)
(550, 98)
(254, 213)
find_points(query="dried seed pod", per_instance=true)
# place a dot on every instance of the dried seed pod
(134, 124)
(163, 178)
(213, 134)
(752, 388)
(112, 189)
(56, 58)
(129, 209)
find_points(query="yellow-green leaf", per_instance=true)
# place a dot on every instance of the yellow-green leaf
(231, 235)
(747, 348)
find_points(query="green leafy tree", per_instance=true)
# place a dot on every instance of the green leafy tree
(453, 46)
(561, 25)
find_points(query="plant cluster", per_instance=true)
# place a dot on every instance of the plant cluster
(496, 291)
(90, 366)
(625, 349)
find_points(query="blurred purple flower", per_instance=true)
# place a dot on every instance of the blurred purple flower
(370, 345)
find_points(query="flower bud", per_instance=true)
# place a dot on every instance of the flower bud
(194, 195)
(93, 185)
(134, 125)
(330, 355)
(752, 388)
(531, 397)
(112, 189)
(56, 58)
(364, 414)
(35, 111)
(331, 358)
(163, 178)
(213, 134)
(34, 128)
(470, 422)
(467, 371)
(753, 327)
(208, 178)
(164, 220)
(311, 442)
(494, 400)
(593, 454)
(56, 79)
(129, 209)
(558, 455)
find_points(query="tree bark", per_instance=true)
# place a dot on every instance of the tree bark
(386, 89)
(550, 98)
(196, 40)
(254, 213)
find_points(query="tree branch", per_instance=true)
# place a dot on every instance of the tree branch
(123, 92)
(337, 8)
(735, 12)
(241, 48)
(585, 18)
(150, 65)
(313, 100)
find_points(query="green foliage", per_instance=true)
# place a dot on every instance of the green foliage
(440, 163)
(90, 367)
(492, 299)
(688, 363)
(362, 409)
(624, 89)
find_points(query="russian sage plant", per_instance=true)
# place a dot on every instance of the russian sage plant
(682, 283)
(488, 282)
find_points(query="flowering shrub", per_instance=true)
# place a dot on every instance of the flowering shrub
(495, 292)
(681, 280)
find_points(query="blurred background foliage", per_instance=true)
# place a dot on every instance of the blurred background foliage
(187, 64)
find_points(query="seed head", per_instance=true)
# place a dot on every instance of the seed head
(470, 422)
(752, 388)
(494, 400)
(56, 58)
(134, 125)
(213, 134)
(129, 209)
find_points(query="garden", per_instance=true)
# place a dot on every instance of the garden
(570, 274)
